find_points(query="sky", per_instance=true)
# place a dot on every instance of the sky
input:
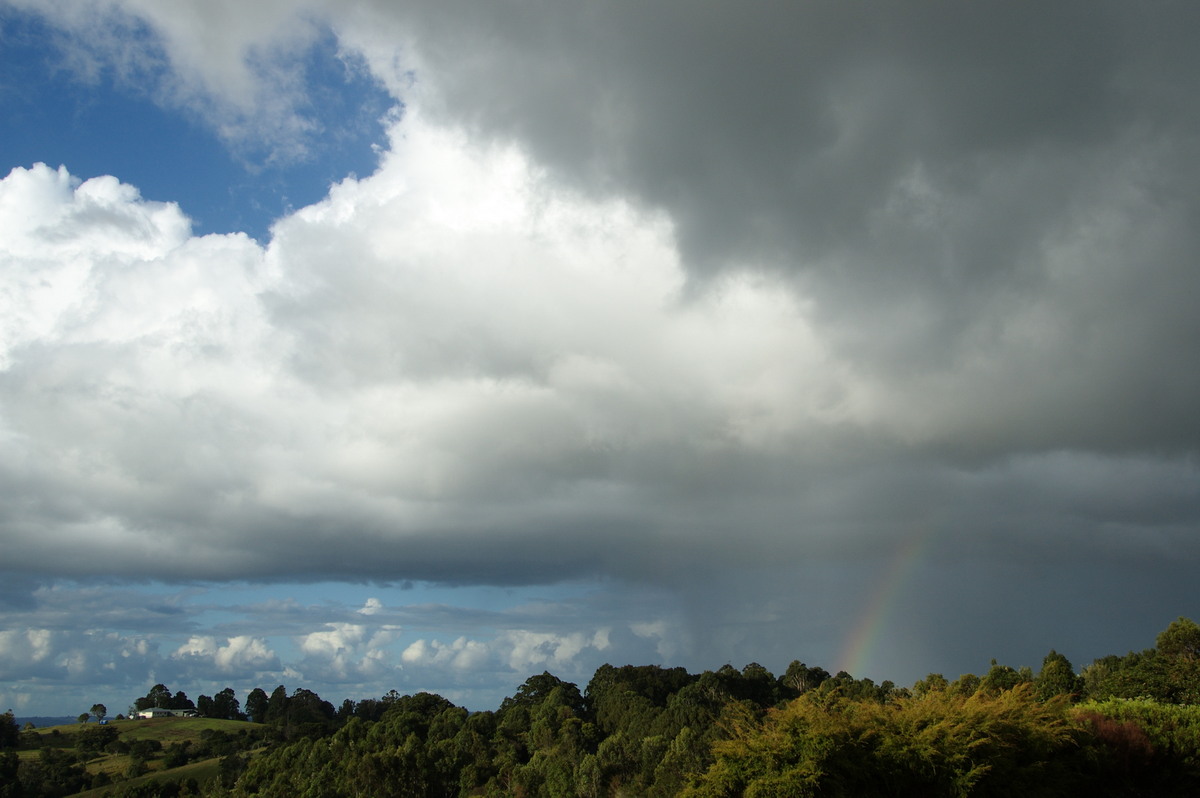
(361, 346)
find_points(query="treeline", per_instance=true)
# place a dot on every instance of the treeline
(1123, 726)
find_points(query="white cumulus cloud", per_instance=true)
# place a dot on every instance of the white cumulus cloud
(236, 655)
(525, 650)
(460, 655)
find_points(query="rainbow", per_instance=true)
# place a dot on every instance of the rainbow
(865, 634)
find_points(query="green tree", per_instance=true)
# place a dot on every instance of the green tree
(277, 706)
(176, 754)
(145, 749)
(965, 685)
(226, 705)
(472, 748)
(230, 768)
(55, 772)
(370, 709)
(344, 712)
(1180, 640)
(655, 683)
(799, 679)
(1178, 647)
(1002, 677)
(10, 779)
(10, 732)
(934, 682)
(629, 699)
(756, 683)
(256, 705)
(99, 710)
(302, 714)
(1098, 677)
(181, 701)
(159, 697)
(1057, 677)
(844, 685)
(137, 767)
(95, 739)
(535, 689)
(83, 717)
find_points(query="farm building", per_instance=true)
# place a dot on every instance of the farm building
(158, 712)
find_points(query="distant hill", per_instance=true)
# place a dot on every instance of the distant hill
(42, 722)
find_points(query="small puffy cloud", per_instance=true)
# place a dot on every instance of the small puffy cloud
(23, 648)
(460, 655)
(239, 654)
(372, 606)
(349, 651)
(525, 650)
(338, 638)
(198, 646)
(333, 649)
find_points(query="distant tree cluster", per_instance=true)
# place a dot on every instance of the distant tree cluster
(160, 697)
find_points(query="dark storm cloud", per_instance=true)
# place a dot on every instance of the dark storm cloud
(780, 130)
(923, 171)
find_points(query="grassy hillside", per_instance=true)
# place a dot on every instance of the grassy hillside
(173, 730)
(201, 772)
(129, 752)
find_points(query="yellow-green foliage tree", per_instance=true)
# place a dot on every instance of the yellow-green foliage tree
(939, 744)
